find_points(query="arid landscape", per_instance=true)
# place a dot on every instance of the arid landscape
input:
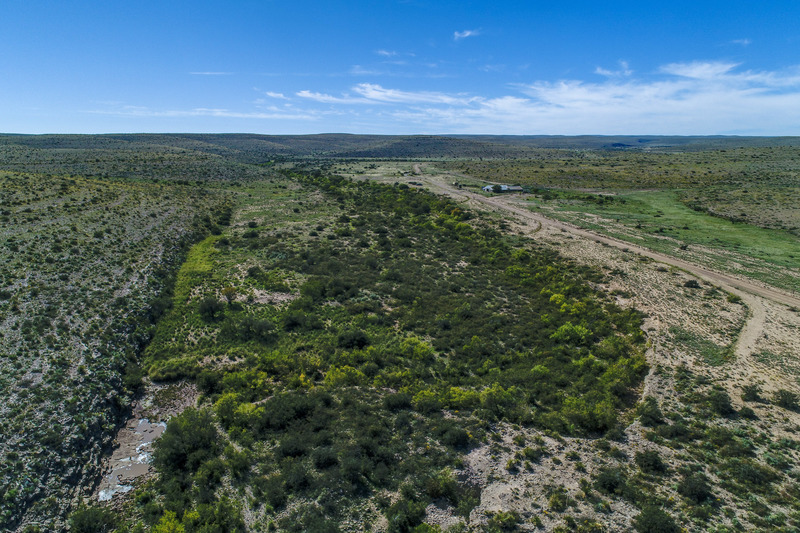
(348, 333)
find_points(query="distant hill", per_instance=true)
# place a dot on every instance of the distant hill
(251, 148)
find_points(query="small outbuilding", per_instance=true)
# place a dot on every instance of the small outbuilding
(503, 188)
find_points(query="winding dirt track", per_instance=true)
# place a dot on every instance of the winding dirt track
(746, 289)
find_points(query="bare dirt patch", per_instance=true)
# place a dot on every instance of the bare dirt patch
(129, 464)
(267, 297)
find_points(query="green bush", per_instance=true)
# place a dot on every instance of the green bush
(748, 413)
(351, 339)
(654, 520)
(720, 402)
(404, 515)
(786, 399)
(650, 462)
(751, 393)
(190, 439)
(695, 487)
(558, 501)
(612, 481)
(92, 519)
(650, 414)
(210, 308)
(504, 521)
(750, 473)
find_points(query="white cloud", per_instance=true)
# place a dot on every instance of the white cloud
(358, 70)
(682, 98)
(138, 111)
(703, 70)
(743, 42)
(493, 68)
(376, 93)
(370, 93)
(386, 53)
(329, 99)
(458, 35)
(624, 70)
(686, 99)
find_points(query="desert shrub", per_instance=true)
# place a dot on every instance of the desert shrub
(654, 520)
(455, 437)
(168, 523)
(272, 488)
(612, 481)
(616, 433)
(558, 501)
(208, 477)
(293, 445)
(308, 519)
(221, 517)
(210, 308)
(786, 399)
(534, 454)
(504, 521)
(255, 329)
(208, 381)
(324, 457)
(720, 402)
(397, 401)
(678, 431)
(695, 487)
(749, 473)
(426, 402)
(748, 413)
(90, 519)
(751, 393)
(404, 515)
(650, 462)
(442, 485)
(351, 339)
(189, 440)
(650, 414)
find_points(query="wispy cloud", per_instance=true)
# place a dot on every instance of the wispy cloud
(376, 93)
(330, 99)
(624, 70)
(138, 111)
(702, 70)
(386, 53)
(279, 96)
(743, 42)
(458, 35)
(209, 73)
(358, 70)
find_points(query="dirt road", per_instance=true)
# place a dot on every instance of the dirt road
(749, 291)
(726, 281)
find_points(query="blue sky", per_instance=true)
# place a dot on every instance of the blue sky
(400, 67)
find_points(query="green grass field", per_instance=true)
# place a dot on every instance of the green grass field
(659, 220)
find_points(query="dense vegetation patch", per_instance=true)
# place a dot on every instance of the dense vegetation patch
(355, 360)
